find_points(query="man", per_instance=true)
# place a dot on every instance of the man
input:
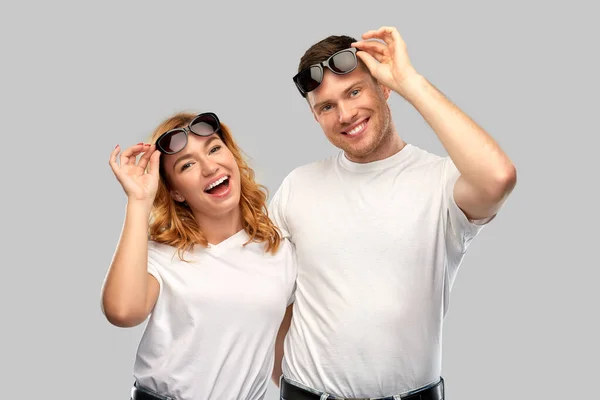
(381, 229)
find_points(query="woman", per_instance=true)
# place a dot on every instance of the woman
(198, 254)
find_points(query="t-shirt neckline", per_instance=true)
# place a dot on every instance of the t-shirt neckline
(393, 160)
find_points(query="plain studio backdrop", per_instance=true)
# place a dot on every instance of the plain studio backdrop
(80, 77)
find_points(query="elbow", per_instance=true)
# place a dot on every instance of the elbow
(503, 183)
(508, 179)
(122, 317)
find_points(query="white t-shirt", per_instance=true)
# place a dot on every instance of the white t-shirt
(378, 246)
(212, 331)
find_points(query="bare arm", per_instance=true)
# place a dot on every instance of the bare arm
(283, 330)
(129, 292)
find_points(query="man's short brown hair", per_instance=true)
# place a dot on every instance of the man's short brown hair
(322, 50)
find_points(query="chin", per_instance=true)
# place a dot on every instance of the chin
(359, 149)
(231, 203)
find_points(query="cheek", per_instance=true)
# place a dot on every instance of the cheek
(230, 163)
(328, 124)
(180, 184)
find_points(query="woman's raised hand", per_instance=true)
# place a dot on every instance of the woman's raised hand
(139, 178)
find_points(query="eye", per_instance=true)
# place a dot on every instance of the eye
(186, 166)
(355, 92)
(326, 108)
(214, 149)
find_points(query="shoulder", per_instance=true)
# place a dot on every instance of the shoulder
(160, 252)
(427, 166)
(421, 158)
(158, 247)
(286, 254)
(310, 170)
(301, 178)
(286, 246)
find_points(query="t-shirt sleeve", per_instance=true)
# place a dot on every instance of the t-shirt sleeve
(154, 262)
(292, 295)
(292, 268)
(277, 207)
(464, 228)
(460, 230)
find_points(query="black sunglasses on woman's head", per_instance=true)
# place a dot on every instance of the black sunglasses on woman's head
(175, 140)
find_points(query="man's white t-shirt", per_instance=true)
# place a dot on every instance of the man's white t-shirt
(378, 246)
(212, 331)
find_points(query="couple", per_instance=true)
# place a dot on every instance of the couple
(340, 289)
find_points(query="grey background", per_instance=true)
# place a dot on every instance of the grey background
(79, 77)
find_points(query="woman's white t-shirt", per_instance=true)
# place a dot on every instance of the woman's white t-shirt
(212, 331)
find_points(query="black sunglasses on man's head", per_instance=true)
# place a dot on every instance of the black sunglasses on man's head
(175, 140)
(342, 62)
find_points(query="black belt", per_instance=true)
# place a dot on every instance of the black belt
(143, 394)
(291, 392)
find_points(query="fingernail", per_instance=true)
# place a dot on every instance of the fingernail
(140, 143)
(116, 146)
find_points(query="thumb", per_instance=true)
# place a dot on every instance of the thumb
(368, 60)
(154, 164)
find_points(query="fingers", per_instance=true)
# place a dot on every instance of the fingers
(388, 34)
(368, 59)
(370, 46)
(130, 154)
(376, 49)
(112, 161)
(154, 161)
(148, 150)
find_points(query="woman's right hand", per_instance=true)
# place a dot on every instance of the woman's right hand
(139, 184)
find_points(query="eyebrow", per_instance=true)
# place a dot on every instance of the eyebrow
(346, 90)
(189, 155)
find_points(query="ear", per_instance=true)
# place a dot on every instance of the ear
(314, 115)
(176, 196)
(386, 91)
(311, 108)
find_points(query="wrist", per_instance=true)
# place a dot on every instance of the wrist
(140, 207)
(411, 86)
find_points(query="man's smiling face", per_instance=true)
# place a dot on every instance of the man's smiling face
(353, 112)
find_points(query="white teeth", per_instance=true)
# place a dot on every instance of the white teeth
(218, 182)
(357, 129)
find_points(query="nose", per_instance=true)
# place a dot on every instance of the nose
(346, 113)
(209, 167)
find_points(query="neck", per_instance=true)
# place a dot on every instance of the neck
(390, 144)
(221, 227)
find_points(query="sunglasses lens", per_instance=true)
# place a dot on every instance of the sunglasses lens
(310, 78)
(204, 125)
(173, 142)
(343, 62)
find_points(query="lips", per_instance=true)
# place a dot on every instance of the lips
(223, 179)
(357, 128)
